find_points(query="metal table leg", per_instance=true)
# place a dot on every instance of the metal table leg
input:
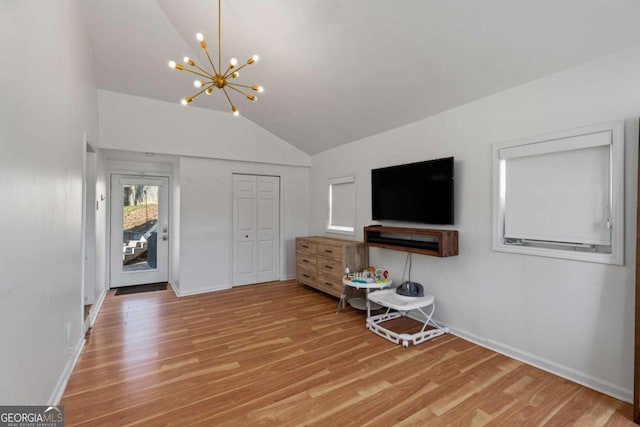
(343, 298)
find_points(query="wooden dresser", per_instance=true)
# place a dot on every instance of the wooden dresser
(321, 262)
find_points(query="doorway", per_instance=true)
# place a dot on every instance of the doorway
(139, 230)
(256, 229)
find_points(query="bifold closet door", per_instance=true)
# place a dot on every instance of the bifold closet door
(256, 229)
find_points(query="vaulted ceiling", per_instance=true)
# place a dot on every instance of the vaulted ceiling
(335, 71)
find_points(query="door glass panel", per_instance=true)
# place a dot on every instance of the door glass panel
(139, 227)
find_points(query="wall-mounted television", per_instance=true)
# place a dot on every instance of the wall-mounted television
(415, 192)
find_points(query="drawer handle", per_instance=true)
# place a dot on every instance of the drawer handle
(305, 246)
(328, 284)
(328, 251)
(329, 267)
(305, 275)
(305, 260)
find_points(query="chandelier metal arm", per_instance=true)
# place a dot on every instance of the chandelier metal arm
(219, 38)
(201, 92)
(231, 86)
(228, 99)
(249, 96)
(238, 84)
(208, 76)
(203, 70)
(210, 61)
(226, 73)
(235, 70)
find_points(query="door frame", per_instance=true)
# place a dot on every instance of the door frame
(282, 249)
(87, 149)
(142, 174)
(636, 365)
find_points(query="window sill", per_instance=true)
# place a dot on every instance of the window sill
(603, 258)
(345, 231)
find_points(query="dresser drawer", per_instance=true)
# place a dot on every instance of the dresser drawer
(330, 251)
(305, 246)
(330, 266)
(306, 277)
(328, 285)
(306, 262)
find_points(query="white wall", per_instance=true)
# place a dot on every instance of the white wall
(140, 124)
(206, 188)
(211, 146)
(47, 101)
(201, 209)
(572, 317)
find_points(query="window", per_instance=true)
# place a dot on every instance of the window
(561, 195)
(342, 205)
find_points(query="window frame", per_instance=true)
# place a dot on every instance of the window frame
(340, 180)
(616, 190)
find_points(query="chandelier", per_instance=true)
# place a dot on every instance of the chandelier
(217, 79)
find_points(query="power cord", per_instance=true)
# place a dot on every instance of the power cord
(407, 262)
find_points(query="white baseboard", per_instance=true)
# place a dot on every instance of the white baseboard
(204, 290)
(61, 385)
(174, 287)
(95, 308)
(289, 277)
(570, 374)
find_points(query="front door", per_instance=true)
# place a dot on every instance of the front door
(139, 230)
(256, 229)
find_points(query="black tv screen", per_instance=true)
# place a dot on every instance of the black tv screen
(416, 192)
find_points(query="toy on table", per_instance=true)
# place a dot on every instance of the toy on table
(369, 275)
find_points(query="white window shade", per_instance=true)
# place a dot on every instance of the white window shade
(561, 196)
(342, 204)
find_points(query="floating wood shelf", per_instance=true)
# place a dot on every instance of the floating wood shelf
(425, 241)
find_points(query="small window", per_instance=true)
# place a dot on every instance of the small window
(342, 205)
(561, 195)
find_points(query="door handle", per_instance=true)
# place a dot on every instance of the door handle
(246, 236)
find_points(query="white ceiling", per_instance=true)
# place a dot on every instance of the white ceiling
(335, 71)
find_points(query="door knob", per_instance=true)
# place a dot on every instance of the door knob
(246, 236)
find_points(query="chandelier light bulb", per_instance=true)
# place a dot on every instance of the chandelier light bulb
(172, 64)
(189, 61)
(186, 100)
(258, 88)
(255, 58)
(197, 83)
(233, 62)
(235, 110)
(199, 37)
(208, 91)
(235, 75)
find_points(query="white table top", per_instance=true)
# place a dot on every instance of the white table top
(367, 285)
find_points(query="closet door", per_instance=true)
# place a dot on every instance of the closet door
(256, 229)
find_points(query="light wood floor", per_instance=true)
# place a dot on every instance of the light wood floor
(277, 354)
